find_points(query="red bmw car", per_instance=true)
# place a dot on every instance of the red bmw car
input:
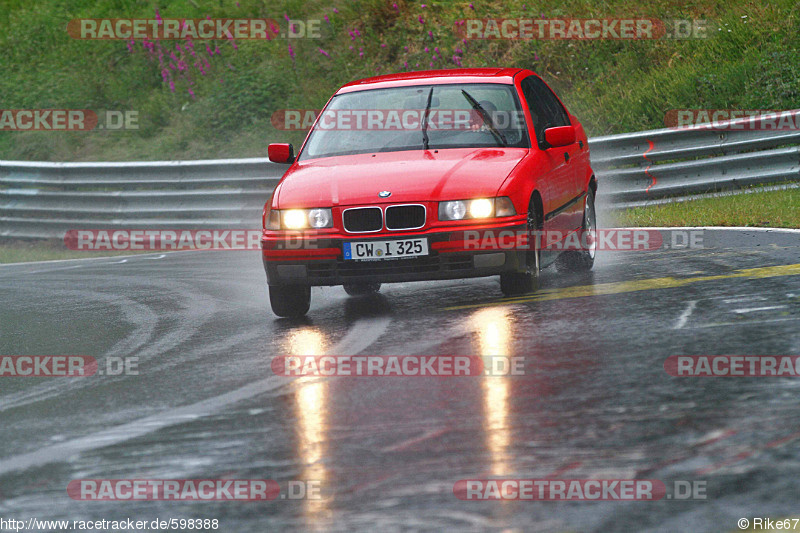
(398, 169)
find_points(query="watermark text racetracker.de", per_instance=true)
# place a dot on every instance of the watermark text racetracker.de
(397, 119)
(744, 366)
(159, 240)
(733, 119)
(188, 28)
(548, 489)
(613, 28)
(193, 490)
(70, 366)
(67, 120)
(397, 365)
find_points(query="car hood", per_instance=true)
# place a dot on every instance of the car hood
(411, 176)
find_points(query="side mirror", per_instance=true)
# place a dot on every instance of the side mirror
(560, 136)
(281, 153)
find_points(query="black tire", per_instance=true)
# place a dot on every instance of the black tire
(517, 283)
(290, 301)
(362, 289)
(582, 260)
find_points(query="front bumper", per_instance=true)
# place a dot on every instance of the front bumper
(319, 260)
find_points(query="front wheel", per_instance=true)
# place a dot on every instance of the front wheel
(582, 260)
(517, 283)
(290, 301)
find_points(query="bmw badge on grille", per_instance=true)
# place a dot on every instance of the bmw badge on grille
(385, 194)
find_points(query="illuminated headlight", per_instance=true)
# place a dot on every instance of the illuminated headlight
(295, 219)
(477, 208)
(316, 218)
(481, 208)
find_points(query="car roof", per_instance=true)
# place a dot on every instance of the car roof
(459, 75)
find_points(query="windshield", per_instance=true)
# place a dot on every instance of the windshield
(463, 115)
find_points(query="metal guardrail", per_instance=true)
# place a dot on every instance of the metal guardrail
(650, 166)
(44, 200)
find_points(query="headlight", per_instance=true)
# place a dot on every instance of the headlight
(319, 218)
(295, 219)
(452, 210)
(481, 208)
(477, 208)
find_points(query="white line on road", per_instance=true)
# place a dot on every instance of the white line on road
(685, 315)
(360, 336)
(754, 309)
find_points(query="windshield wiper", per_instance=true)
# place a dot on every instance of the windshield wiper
(425, 140)
(486, 118)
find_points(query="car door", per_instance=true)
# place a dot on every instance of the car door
(567, 214)
(560, 180)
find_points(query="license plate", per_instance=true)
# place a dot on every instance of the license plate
(375, 250)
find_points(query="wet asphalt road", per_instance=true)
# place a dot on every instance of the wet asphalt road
(594, 401)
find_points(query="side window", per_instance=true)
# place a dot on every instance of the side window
(546, 110)
(557, 111)
(539, 113)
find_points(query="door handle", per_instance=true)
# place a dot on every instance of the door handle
(566, 157)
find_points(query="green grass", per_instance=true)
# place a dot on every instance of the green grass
(612, 86)
(20, 251)
(778, 209)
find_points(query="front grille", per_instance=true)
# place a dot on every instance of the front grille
(362, 219)
(405, 217)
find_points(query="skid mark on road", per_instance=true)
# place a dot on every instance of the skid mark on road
(620, 287)
(360, 336)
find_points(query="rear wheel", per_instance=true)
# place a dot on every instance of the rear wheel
(582, 260)
(290, 301)
(515, 283)
(362, 289)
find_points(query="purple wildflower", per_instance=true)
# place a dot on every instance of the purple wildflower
(323, 52)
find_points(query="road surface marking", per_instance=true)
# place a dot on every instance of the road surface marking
(685, 315)
(754, 309)
(619, 287)
(360, 336)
